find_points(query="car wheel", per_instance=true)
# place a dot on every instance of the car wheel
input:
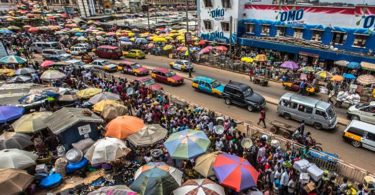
(227, 101)
(355, 117)
(356, 144)
(318, 126)
(287, 116)
(250, 108)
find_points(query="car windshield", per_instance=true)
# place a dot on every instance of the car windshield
(361, 105)
(104, 63)
(330, 112)
(248, 92)
(215, 84)
(170, 74)
(187, 63)
(59, 52)
(149, 82)
(135, 66)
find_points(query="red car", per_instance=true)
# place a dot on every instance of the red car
(133, 68)
(108, 52)
(149, 83)
(164, 75)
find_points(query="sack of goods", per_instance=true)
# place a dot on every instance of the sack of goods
(315, 172)
(301, 165)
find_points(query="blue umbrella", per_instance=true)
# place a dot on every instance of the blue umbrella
(78, 34)
(195, 49)
(353, 65)
(6, 31)
(9, 113)
(349, 76)
(141, 41)
(125, 39)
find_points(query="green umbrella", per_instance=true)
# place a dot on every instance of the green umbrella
(12, 59)
(307, 69)
(187, 144)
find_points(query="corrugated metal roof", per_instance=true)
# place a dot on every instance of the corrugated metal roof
(65, 118)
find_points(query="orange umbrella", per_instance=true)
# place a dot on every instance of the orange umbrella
(123, 126)
(338, 78)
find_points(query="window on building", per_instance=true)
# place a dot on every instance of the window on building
(5, 1)
(207, 24)
(339, 37)
(208, 3)
(226, 3)
(360, 40)
(265, 29)
(225, 26)
(298, 33)
(280, 31)
(317, 35)
(250, 28)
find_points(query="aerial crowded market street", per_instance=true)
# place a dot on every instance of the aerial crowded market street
(187, 97)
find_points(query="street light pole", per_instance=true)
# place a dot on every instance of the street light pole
(148, 17)
(186, 37)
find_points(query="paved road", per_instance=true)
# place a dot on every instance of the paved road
(332, 140)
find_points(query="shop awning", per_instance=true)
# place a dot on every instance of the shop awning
(368, 66)
(308, 54)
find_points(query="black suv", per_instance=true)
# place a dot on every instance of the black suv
(243, 95)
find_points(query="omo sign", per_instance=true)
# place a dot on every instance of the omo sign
(217, 14)
(291, 15)
(369, 22)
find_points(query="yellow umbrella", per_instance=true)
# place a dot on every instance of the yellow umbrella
(31, 123)
(337, 78)
(7, 72)
(180, 38)
(89, 92)
(323, 74)
(204, 164)
(247, 59)
(132, 39)
(261, 58)
(160, 40)
(167, 47)
(99, 107)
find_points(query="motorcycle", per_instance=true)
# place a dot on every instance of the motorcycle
(311, 143)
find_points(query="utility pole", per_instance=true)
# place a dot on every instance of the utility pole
(148, 17)
(230, 34)
(188, 37)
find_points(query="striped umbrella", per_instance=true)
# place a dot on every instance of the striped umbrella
(12, 59)
(187, 144)
(199, 187)
(366, 79)
(113, 190)
(235, 172)
(156, 178)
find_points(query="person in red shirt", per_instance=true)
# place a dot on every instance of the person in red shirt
(262, 117)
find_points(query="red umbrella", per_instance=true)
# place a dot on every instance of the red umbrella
(221, 48)
(202, 42)
(47, 63)
(33, 29)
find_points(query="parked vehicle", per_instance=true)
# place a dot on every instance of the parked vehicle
(38, 47)
(182, 65)
(363, 112)
(55, 55)
(133, 68)
(134, 53)
(208, 85)
(108, 52)
(314, 112)
(87, 46)
(76, 50)
(295, 86)
(76, 64)
(243, 95)
(360, 134)
(164, 75)
(104, 65)
(149, 83)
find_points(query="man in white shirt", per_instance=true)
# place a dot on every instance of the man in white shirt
(284, 182)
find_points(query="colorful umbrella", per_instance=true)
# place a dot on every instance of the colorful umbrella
(47, 63)
(167, 47)
(349, 76)
(99, 107)
(199, 187)
(368, 66)
(261, 58)
(182, 48)
(235, 172)
(17, 159)
(104, 96)
(148, 135)
(123, 126)
(7, 72)
(113, 190)
(187, 144)
(9, 113)
(88, 92)
(106, 150)
(52, 75)
(289, 65)
(221, 48)
(202, 42)
(5, 31)
(31, 123)
(247, 59)
(324, 74)
(14, 140)
(33, 29)
(337, 78)
(12, 59)
(204, 164)
(341, 63)
(353, 65)
(307, 69)
(366, 79)
(14, 181)
(156, 178)
(205, 50)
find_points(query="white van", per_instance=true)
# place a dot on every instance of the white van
(75, 50)
(360, 134)
(40, 46)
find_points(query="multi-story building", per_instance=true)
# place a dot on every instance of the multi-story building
(330, 33)
(50, 4)
(169, 2)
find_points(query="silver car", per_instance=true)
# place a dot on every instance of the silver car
(363, 112)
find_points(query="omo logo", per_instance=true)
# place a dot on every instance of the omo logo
(217, 14)
(369, 21)
(292, 15)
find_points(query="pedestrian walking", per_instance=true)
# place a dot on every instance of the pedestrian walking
(262, 117)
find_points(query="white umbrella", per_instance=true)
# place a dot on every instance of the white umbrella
(18, 159)
(199, 187)
(23, 71)
(50, 75)
(31, 123)
(104, 96)
(148, 135)
(14, 140)
(106, 150)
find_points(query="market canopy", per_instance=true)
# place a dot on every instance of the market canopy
(123, 126)
(148, 135)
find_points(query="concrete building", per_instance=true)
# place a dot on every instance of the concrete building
(169, 2)
(329, 33)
